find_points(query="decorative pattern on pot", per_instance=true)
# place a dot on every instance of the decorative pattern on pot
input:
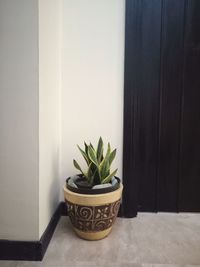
(93, 218)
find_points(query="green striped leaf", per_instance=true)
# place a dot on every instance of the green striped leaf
(89, 172)
(100, 150)
(108, 151)
(112, 156)
(86, 148)
(76, 165)
(109, 177)
(92, 146)
(93, 176)
(92, 155)
(104, 170)
(84, 155)
(104, 161)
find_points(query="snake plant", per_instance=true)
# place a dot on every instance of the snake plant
(98, 166)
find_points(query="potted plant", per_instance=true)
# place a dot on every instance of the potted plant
(93, 196)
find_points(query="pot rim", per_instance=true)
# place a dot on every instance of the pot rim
(66, 190)
(90, 191)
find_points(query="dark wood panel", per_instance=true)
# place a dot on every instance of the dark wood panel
(130, 192)
(142, 62)
(189, 195)
(147, 74)
(170, 103)
(161, 106)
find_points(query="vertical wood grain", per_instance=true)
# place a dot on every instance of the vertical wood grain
(162, 106)
(171, 70)
(142, 62)
(189, 190)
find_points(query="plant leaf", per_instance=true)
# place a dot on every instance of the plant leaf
(100, 150)
(104, 170)
(76, 165)
(103, 163)
(86, 148)
(93, 176)
(89, 172)
(92, 155)
(84, 155)
(112, 156)
(107, 154)
(109, 177)
(108, 151)
(92, 146)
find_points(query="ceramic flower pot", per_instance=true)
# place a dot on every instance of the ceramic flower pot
(93, 215)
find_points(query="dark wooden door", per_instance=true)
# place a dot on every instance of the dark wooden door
(162, 106)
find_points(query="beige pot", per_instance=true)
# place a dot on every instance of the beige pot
(92, 216)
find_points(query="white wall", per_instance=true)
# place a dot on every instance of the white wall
(30, 82)
(49, 107)
(92, 89)
(31, 147)
(19, 197)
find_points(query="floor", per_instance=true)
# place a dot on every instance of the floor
(149, 240)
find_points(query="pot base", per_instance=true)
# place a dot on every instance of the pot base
(93, 235)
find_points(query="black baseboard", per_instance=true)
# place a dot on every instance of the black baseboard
(20, 250)
(30, 250)
(47, 235)
(34, 250)
(63, 209)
